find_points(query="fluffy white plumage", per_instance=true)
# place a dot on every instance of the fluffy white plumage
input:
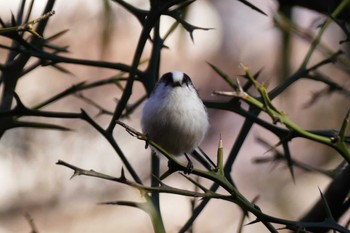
(174, 116)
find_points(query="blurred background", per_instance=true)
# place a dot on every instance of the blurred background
(32, 183)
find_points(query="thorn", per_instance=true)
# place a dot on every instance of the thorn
(191, 35)
(220, 142)
(240, 89)
(122, 175)
(76, 173)
(252, 222)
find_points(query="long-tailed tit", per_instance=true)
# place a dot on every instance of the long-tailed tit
(174, 116)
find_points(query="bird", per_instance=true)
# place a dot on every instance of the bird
(174, 116)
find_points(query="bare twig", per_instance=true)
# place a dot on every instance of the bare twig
(33, 228)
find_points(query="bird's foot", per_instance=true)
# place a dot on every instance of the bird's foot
(147, 141)
(189, 167)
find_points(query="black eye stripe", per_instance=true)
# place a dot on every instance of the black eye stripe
(167, 79)
(186, 80)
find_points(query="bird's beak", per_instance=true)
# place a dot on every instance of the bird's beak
(177, 84)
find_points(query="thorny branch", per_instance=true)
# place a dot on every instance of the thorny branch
(280, 117)
(28, 26)
(163, 188)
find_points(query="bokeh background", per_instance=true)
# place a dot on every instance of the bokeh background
(32, 183)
